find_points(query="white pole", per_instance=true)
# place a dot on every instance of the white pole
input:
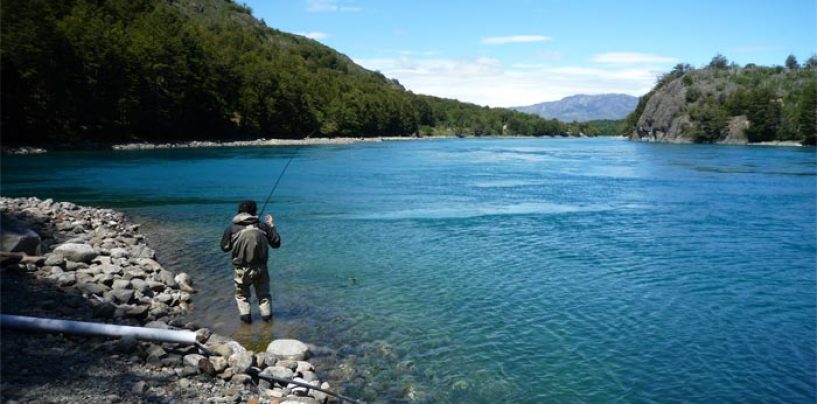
(85, 328)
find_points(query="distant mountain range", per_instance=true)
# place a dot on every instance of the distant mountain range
(583, 107)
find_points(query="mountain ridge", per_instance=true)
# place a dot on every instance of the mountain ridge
(584, 107)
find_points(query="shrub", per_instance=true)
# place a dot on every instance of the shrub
(710, 119)
(719, 62)
(692, 94)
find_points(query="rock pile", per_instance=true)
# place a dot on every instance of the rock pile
(98, 259)
(98, 254)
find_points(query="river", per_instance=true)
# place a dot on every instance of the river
(491, 269)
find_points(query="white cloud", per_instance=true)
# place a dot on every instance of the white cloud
(316, 35)
(631, 58)
(502, 40)
(329, 6)
(549, 55)
(488, 81)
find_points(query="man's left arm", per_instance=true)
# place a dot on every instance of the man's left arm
(273, 237)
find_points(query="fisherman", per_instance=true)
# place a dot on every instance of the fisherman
(247, 238)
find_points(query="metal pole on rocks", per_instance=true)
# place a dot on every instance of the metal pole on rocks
(85, 328)
(257, 372)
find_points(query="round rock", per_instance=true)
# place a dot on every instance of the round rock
(76, 252)
(286, 349)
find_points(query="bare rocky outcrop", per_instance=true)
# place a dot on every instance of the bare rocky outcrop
(691, 106)
(663, 119)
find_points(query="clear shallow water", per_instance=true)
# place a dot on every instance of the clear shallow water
(482, 270)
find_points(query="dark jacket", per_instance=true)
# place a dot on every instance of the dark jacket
(256, 253)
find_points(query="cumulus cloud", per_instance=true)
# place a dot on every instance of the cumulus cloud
(502, 40)
(316, 35)
(329, 6)
(487, 81)
(631, 58)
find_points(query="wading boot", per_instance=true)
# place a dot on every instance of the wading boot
(267, 317)
(246, 318)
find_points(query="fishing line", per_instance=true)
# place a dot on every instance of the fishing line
(276, 184)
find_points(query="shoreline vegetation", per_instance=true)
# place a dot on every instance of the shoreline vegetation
(61, 260)
(352, 140)
(88, 73)
(108, 89)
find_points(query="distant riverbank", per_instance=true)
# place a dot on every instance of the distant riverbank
(261, 142)
(208, 143)
(331, 141)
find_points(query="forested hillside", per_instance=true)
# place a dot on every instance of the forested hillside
(78, 71)
(726, 103)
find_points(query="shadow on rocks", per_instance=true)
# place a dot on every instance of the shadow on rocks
(43, 367)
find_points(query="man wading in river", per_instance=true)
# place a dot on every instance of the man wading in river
(247, 239)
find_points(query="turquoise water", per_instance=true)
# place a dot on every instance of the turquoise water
(488, 270)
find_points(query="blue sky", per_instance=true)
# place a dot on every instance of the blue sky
(520, 52)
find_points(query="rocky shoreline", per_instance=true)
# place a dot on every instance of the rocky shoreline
(239, 143)
(65, 261)
(728, 142)
(258, 142)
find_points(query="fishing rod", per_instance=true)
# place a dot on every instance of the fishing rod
(276, 184)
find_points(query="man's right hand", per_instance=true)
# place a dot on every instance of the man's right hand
(269, 221)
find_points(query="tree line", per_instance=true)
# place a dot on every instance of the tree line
(105, 71)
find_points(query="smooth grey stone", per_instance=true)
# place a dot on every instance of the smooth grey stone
(166, 277)
(241, 361)
(119, 253)
(93, 288)
(17, 236)
(219, 363)
(55, 260)
(122, 295)
(287, 349)
(193, 360)
(67, 279)
(76, 252)
(139, 387)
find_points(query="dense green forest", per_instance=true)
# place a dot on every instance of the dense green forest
(103, 71)
(724, 102)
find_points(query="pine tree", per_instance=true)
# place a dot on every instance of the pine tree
(808, 114)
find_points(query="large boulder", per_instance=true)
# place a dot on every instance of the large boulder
(76, 252)
(18, 237)
(286, 349)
